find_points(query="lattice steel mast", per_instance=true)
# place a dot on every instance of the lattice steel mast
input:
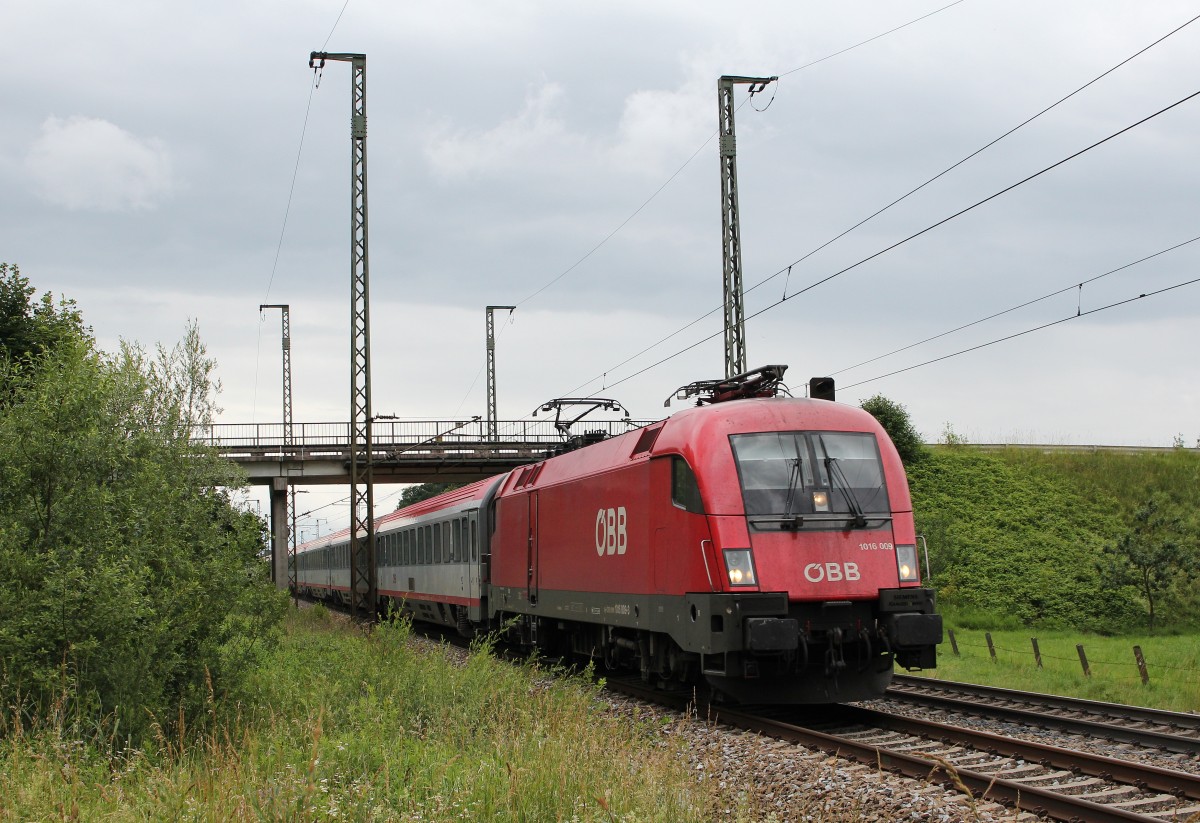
(286, 575)
(731, 235)
(363, 585)
(491, 369)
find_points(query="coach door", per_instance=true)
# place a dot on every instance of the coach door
(533, 547)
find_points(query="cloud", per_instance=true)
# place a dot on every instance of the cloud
(530, 139)
(86, 164)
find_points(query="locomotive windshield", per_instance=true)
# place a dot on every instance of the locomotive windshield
(811, 480)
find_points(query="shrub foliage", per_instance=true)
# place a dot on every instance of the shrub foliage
(896, 422)
(129, 583)
(1058, 539)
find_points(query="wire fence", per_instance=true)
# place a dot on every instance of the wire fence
(1131, 670)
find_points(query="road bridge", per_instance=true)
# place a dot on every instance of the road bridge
(403, 451)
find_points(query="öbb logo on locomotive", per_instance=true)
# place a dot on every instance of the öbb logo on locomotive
(611, 535)
(831, 572)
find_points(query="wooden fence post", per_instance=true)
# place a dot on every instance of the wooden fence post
(1083, 661)
(991, 648)
(953, 642)
(1141, 661)
(1037, 653)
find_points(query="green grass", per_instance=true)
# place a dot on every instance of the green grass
(345, 726)
(1173, 664)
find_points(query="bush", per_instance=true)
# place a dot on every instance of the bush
(898, 425)
(129, 583)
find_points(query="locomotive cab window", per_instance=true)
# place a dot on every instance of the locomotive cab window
(685, 491)
(811, 480)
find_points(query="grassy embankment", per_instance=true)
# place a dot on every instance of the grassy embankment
(1016, 544)
(348, 727)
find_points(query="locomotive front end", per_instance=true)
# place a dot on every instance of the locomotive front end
(818, 555)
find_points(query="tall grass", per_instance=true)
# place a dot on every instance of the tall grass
(345, 725)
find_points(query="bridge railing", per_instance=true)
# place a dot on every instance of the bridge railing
(399, 432)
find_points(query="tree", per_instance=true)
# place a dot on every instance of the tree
(128, 580)
(898, 425)
(28, 327)
(423, 491)
(1150, 556)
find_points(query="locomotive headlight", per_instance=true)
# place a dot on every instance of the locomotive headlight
(906, 563)
(740, 567)
(820, 501)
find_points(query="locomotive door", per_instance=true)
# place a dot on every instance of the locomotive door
(533, 548)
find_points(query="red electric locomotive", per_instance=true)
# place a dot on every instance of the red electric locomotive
(764, 544)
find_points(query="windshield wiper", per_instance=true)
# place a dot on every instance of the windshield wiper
(793, 484)
(838, 478)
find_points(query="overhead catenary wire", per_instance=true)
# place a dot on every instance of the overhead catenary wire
(708, 140)
(1066, 319)
(788, 269)
(913, 236)
(871, 39)
(287, 212)
(1027, 303)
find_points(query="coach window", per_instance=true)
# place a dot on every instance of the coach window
(449, 555)
(474, 539)
(420, 544)
(685, 492)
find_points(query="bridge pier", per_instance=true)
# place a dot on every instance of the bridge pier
(279, 532)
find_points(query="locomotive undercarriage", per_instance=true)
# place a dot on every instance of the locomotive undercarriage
(758, 648)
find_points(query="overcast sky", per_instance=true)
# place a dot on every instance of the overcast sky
(148, 150)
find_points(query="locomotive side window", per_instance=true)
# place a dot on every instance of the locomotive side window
(685, 492)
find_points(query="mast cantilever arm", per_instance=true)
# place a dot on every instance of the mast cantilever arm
(345, 57)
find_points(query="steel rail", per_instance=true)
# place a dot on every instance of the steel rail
(1141, 775)
(966, 697)
(982, 785)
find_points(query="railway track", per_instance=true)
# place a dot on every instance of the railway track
(1056, 782)
(1150, 728)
